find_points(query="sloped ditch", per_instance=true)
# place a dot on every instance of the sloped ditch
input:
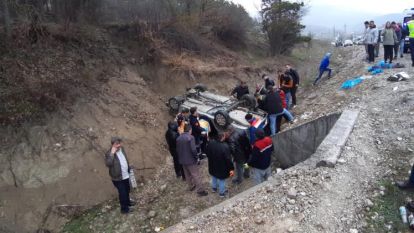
(298, 144)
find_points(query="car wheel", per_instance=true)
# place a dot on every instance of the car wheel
(222, 119)
(200, 87)
(248, 101)
(175, 102)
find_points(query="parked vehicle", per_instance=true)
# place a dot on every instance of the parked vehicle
(220, 111)
(348, 43)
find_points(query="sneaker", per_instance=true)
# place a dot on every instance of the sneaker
(214, 190)
(404, 185)
(222, 195)
(192, 188)
(402, 56)
(412, 65)
(132, 203)
(202, 193)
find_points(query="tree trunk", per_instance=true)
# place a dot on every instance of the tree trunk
(6, 16)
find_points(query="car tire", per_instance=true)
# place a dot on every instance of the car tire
(200, 87)
(222, 119)
(249, 101)
(175, 102)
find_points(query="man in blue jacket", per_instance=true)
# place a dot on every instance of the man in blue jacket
(324, 67)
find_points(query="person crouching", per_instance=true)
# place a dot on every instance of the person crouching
(220, 165)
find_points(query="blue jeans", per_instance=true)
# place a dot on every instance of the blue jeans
(272, 119)
(402, 47)
(287, 115)
(288, 96)
(220, 184)
(321, 71)
(260, 176)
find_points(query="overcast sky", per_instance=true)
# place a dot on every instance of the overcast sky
(340, 12)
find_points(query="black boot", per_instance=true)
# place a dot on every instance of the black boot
(404, 184)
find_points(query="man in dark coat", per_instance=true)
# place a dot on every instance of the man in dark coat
(220, 166)
(187, 157)
(295, 76)
(117, 161)
(240, 90)
(240, 150)
(274, 107)
(171, 136)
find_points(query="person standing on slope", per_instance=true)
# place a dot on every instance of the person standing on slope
(295, 76)
(410, 30)
(389, 41)
(372, 41)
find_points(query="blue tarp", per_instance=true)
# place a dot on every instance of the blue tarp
(348, 84)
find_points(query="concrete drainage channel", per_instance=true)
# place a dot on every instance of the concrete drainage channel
(313, 144)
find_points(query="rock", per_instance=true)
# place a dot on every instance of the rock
(382, 193)
(163, 187)
(382, 188)
(369, 203)
(399, 138)
(353, 231)
(230, 229)
(341, 161)
(292, 193)
(292, 201)
(258, 220)
(378, 142)
(58, 144)
(152, 214)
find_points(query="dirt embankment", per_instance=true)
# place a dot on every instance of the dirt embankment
(76, 94)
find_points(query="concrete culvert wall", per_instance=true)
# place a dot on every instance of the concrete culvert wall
(298, 144)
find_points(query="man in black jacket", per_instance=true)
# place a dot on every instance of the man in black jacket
(241, 90)
(220, 166)
(117, 162)
(274, 107)
(171, 136)
(295, 76)
(240, 150)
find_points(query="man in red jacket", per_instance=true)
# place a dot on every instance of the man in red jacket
(260, 158)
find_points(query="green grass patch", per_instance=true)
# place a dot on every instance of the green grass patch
(81, 224)
(386, 210)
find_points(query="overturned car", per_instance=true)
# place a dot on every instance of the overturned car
(219, 111)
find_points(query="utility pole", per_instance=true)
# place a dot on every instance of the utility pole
(345, 29)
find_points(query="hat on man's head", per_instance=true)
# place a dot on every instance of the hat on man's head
(115, 139)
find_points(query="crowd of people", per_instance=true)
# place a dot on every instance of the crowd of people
(232, 152)
(392, 37)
